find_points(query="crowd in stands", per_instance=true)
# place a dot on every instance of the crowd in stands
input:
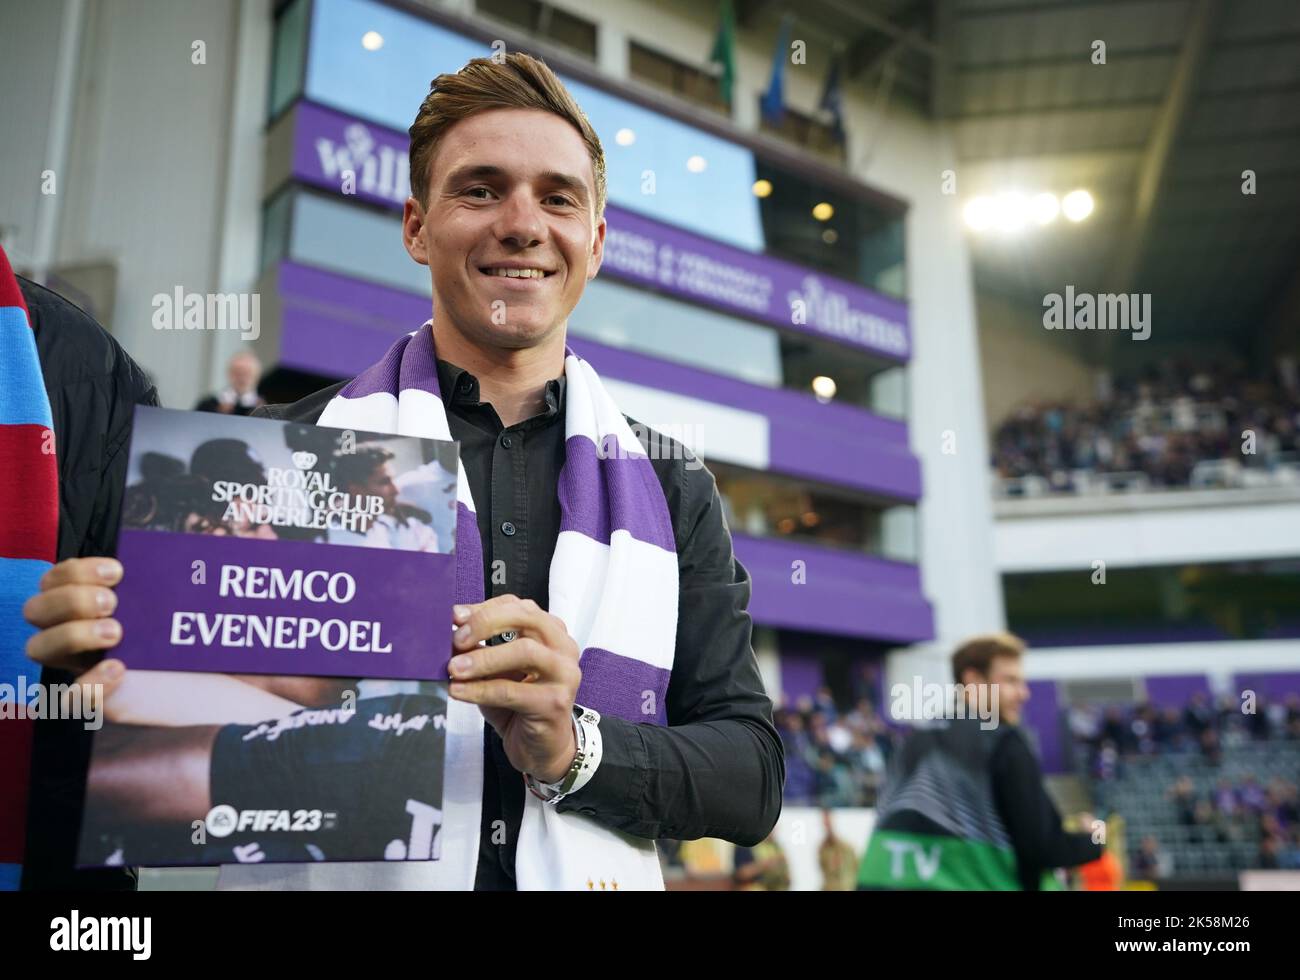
(1244, 810)
(1112, 734)
(1238, 808)
(1158, 424)
(833, 758)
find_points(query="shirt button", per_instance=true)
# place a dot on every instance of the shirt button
(467, 386)
(507, 441)
(507, 529)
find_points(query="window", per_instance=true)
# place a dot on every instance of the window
(634, 319)
(832, 231)
(672, 171)
(684, 81)
(277, 217)
(770, 505)
(289, 48)
(808, 364)
(544, 20)
(1246, 600)
(805, 132)
(333, 234)
(628, 317)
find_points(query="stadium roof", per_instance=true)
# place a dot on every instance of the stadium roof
(1192, 93)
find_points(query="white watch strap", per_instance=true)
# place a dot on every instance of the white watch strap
(586, 729)
(590, 725)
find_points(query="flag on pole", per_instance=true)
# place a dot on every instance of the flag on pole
(724, 50)
(774, 97)
(832, 100)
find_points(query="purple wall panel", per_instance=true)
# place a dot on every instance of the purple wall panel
(844, 593)
(801, 675)
(1175, 691)
(1042, 716)
(1272, 685)
(807, 439)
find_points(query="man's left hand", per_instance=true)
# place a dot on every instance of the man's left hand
(525, 687)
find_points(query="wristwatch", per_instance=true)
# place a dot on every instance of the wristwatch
(586, 731)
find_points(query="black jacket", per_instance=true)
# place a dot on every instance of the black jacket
(93, 387)
(1040, 840)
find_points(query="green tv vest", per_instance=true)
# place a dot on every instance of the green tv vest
(937, 826)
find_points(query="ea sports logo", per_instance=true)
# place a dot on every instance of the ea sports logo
(304, 460)
(221, 820)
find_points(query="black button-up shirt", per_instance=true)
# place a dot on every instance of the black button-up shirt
(717, 768)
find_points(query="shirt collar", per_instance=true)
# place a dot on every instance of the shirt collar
(459, 387)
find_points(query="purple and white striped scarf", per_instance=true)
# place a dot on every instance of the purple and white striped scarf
(613, 582)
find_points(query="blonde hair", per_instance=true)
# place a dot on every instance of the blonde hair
(979, 652)
(517, 81)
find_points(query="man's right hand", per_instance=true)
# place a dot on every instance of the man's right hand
(73, 613)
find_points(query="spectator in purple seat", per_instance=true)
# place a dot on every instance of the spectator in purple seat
(862, 717)
(1288, 805)
(1198, 715)
(1114, 730)
(1269, 854)
(1204, 817)
(1225, 799)
(1290, 851)
(1165, 729)
(825, 704)
(1140, 734)
(1276, 712)
(1183, 795)
(1257, 723)
(1108, 765)
(1275, 804)
(1252, 795)
(1228, 711)
(800, 779)
(1150, 862)
(1210, 747)
(867, 753)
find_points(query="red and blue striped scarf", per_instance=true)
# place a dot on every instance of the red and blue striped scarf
(29, 516)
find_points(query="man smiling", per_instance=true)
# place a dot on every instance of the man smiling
(602, 630)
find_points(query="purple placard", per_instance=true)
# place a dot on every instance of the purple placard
(392, 593)
(369, 162)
